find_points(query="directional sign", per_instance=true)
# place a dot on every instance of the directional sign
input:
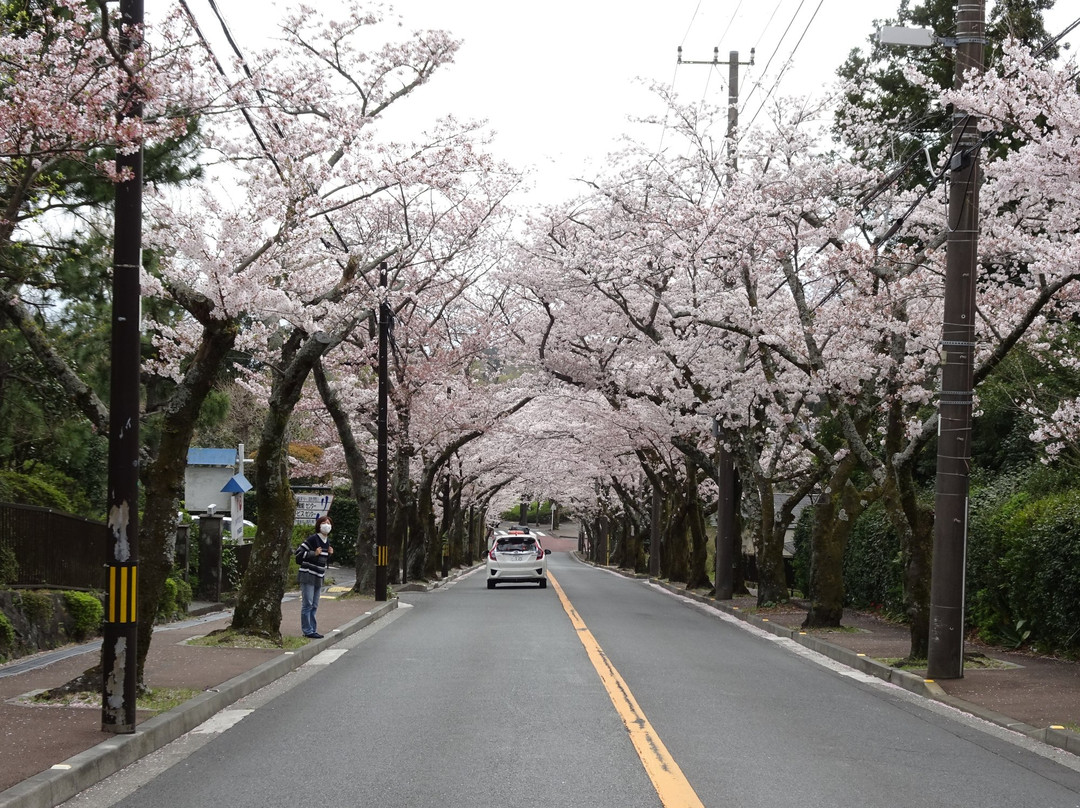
(311, 506)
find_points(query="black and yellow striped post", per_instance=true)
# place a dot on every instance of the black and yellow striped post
(123, 579)
(119, 649)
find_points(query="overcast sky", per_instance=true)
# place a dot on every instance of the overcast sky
(558, 79)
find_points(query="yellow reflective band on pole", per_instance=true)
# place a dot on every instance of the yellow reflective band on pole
(667, 778)
(122, 594)
(382, 556)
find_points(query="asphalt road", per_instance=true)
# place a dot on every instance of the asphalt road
(518, 697)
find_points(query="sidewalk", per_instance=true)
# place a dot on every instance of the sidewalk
(50, 753)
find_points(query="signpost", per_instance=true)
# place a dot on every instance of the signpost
(309, 507)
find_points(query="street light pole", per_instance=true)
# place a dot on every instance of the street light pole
(946, 638)
(120, 631)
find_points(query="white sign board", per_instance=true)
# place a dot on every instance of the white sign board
(311, 506)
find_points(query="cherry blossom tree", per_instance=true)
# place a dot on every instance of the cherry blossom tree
(60, 121)
(295, 244)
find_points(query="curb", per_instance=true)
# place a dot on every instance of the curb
(431, 586)
(927, 688)
(59, 784)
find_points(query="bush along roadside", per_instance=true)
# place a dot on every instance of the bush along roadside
(38, 620)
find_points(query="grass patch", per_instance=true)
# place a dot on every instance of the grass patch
(227, 638)
(903, 663)
(155, 700)
(352, 594)
(972, 661)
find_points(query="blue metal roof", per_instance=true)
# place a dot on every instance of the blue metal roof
(211, 457)
(237, 484)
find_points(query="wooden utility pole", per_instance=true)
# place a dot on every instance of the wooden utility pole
(946, 638)
(382, 463)
(727, 538)
(120, 630)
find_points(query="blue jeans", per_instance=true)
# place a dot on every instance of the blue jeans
(310, 590)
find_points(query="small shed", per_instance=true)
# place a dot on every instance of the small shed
(212, 478)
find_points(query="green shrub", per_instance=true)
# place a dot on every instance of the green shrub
(9, 566)
(167, 605)
(1024, 575)
(37, 606)
(874, 564)
(22, 489)
(183, 594)
(175, 599)
(86, 614)
(7, 636)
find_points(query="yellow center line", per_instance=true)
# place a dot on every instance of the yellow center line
(667, 778)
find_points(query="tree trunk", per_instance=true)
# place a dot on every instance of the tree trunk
(772, 581)
(401, 498)
(163, 479)
(676, 547)
(698, 576)
(914, 524)
(258, 606)
(361, 482)
(835, 514)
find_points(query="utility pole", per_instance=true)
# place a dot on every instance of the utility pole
(946, 639)
(726, 472)
(382, 463)
(120, 630)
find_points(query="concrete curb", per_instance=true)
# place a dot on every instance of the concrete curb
(1059, 738)
(431, 586)
(62, 782)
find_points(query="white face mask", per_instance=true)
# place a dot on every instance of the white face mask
(324, 528)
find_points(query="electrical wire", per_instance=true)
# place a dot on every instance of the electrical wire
(727, 28)
(780, 76)
(783, 36)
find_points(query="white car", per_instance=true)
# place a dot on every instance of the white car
(516, 557)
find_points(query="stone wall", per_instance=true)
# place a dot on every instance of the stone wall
(33, 620)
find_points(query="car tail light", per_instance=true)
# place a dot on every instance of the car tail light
(491, 554)
(539, 552)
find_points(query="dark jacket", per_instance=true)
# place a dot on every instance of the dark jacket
(310, 563)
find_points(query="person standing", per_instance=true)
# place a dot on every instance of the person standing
(313, 554)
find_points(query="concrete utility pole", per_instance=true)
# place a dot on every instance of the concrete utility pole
(382, 462)
(120, 631)
(726, 473)
(946, 639)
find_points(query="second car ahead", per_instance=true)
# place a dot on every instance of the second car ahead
(517, 557)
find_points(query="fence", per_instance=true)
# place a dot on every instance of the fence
(53, 548)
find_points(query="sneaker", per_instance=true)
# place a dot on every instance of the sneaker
(316, 636)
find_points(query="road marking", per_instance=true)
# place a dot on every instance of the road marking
(667, 778)
(220, 722)
(327, 657)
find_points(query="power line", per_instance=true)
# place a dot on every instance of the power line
(780, 76)
(780, 42)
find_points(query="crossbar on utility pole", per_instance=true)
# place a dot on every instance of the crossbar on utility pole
(946, 638)
(119, 658)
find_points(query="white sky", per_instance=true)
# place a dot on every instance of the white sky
(558, 79)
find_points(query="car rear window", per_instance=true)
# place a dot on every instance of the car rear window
(517, 543)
